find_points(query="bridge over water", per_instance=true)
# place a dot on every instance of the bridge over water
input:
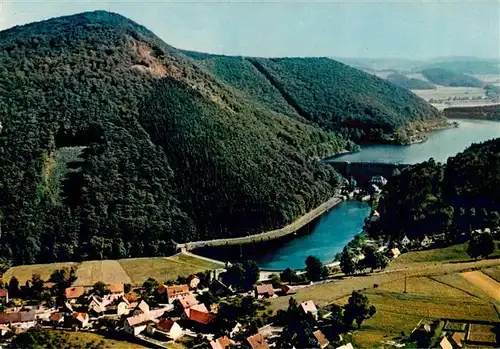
(363, 171)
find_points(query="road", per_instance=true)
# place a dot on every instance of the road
(269, 235)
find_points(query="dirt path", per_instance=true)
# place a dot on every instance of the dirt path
(270, 235)
(484, 282)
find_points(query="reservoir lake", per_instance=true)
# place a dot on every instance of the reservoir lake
(328, 235)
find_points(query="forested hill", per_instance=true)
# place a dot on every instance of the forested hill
(113, 143)
(325, 92)
(432, 198)
(409, 83)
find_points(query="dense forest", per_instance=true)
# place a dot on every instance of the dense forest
(466, 66)
(325, 92)
(444, 77)
(409, 83)
(432, 198)
(484, 112)
(114, 144)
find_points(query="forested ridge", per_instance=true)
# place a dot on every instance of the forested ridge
(113, 144)
(444, 77)
(325, 92)
(409, 83)
(453, 198)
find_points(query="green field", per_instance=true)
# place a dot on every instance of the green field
(133, 270)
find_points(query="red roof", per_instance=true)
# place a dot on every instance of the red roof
(22, 316)
(199, 307)
(165, 324)
(257, 341)
(55, 316)
(80, 316)
(200, 316)
(138, 319)
(187, 301)
(265, 289)
(320, 337)
(4, 293)
(131, 297)
(177, 290)
(74, 292)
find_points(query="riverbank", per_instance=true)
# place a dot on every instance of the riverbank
(269, 235)
(485, 112)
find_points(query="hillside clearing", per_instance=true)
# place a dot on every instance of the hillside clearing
(81, 338)
(164, 268)
(493, 272)
(107, 271)
(24, 272)
(484, 282)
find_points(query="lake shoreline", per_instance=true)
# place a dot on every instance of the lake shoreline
(269, 235)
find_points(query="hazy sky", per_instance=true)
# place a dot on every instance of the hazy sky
(393, 29)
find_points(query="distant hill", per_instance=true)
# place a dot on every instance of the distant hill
(409, 83)
(431, 198)
(465, 66)
(486, 112)
(444, 77)
(324, 92)
(115, 144)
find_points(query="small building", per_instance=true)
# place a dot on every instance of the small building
(173, 292)
(194, 281)
(457, 339)
(4, 330)
(257, 341)
(4, 296)
(405, 241)
(20, 319)
(309, 307)
(135, 325)
(116, 291)
(222, 343)
(264, 291)
(185, 302)
(198, 314)
(142, 308)
(426, 242)
(236, 329)
(73, 293)
(220, 289)
(395, 252)
(56, 318)
(122, 308)
(445, 344)
(287, 290)
(81, 319)
(321, 339)
(378, 180)
(131, 297)
(165, 327)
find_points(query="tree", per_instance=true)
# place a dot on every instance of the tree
(127, 288)
(14, 290)
(36, 286)
(358, 309)
(315, 270)
(243, 276)
(207, 298)
(150, 285)
(252, 273)
(481, 245)
(347, 264)
(99, 288)
(288, 275)
(373, 259)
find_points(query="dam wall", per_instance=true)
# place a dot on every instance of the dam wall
(362, 172)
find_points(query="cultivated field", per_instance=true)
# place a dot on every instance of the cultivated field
(80, 338)
(484, 282)
(109, 272)
(24, 272)
(133, 270)
(493, 272)
(482, 333)
(164, 268)
(435, 289)
(443, 92)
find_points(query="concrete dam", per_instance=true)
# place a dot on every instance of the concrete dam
(363, 171)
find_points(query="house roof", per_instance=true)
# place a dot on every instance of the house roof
(143, 306)
(156, 313)
(199, 313)
(131, 297)
(257, 341)
(137, 319)
(395, 251)
(82, 317)
(74, 292)
(165, 324)
(55, 316)
(116, 288)
(187, 301)
(21, 316)
(177, 290)
(309, 306)
(221, 343)
(457, 338)
(215, 345)
(320, 337)
(288, 289)
(346, 346)
(265, 289)
(445, 344)
(4, 292)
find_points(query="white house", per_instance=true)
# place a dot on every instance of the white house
(395, 252)
(166, 327)
(134, 325)
(426, 242)
(405, 241)
(309, 307)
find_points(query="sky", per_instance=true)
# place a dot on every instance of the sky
(407, 29)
